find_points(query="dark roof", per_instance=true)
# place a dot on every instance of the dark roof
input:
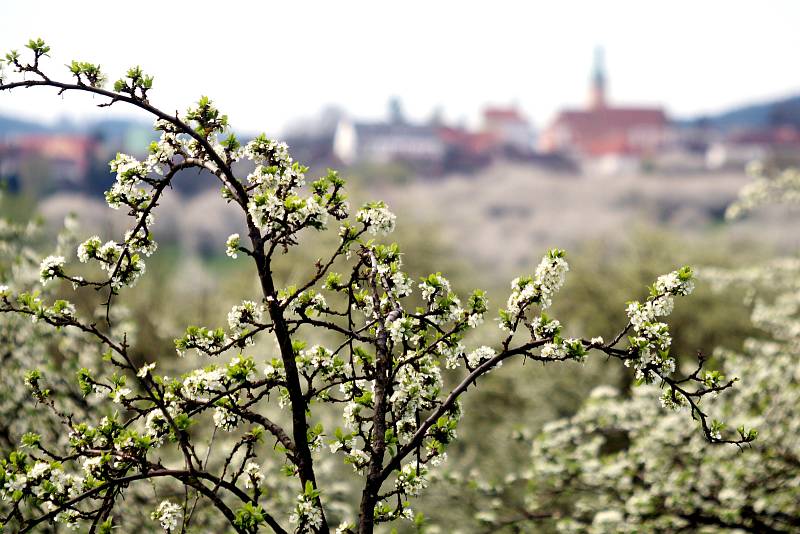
(364, 129)
(785, 135)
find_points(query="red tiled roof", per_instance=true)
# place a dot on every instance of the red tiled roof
(475, 142)
(606, 130)
(605, 119)
(56, 146)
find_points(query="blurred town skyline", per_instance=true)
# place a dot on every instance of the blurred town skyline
(264, 65)
(600, 136)
(505, 115)
(424, 92)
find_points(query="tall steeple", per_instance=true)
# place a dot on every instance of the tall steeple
(597, 90)
(396, 114)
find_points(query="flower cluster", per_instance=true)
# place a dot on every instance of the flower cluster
(305, 302)
(434, 285)
(202, 339)
(169, 145)
(201, 385)
(411, 480)
(480, 355)
(52, 267)
(306, 513)
(770, 185)
(223, 417)
(538, 289)
(130, 173)
(253, 474)
(543, 327)
(122, 262)
(377, 218)
(46, 480)
(320, 360)
(141, 241)
(243, 317)
(675, 283)
(157, 425)
(651, 343)
(277, 206)
(232, 246)
(415, 391)
(168, 514)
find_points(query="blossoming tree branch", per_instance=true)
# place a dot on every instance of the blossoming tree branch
(383, 375)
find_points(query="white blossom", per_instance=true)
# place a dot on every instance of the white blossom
(89, 248)
(480, 355)
(202, 384)
(253, 474)
(377, 218)
(232, 245)
(120, 394)
(168, 514)
(242, 317)
(306, 513)
(51, 267)
(145, 369)
(410, 480)
(225, 419)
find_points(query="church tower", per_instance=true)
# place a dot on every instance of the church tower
(597, 90)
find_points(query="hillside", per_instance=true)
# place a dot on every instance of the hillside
(780, 112)
(10, 126)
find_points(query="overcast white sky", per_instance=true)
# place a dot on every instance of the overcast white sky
(266, 63)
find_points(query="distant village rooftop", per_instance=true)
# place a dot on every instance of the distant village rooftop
(432, 147)
(602, 129)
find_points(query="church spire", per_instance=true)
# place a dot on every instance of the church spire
(597, 91)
